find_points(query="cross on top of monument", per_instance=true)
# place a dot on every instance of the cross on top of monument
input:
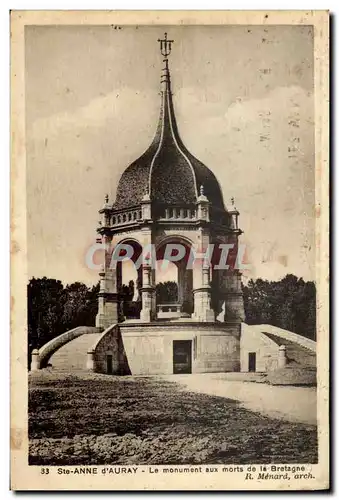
(165, 46)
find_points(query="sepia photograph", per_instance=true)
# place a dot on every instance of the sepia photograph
(172, 204)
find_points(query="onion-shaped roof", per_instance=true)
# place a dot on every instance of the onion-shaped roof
(167, 171)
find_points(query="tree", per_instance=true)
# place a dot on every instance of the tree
(53, 309)
(45, 310)
(289, 303)
(167, 292)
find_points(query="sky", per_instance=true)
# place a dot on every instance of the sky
(244, 102)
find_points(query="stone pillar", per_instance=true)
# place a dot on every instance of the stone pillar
(181, 278)
(188, 305)
(147, 290)
(234, 300)
(154, 295)
(202, 294)
(35, 360)
(147, 311)
(146, 207)
(203, 206)
(201, 279)
(282, 359)
(90, 364)
(108, 294)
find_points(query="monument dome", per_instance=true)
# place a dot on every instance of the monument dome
(167, 171)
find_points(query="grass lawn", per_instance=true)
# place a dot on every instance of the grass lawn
(98, 419)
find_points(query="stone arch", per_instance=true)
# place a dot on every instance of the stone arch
(184, 273)
(126, 274)
(173, 238)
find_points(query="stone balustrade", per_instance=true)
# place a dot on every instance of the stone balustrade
(170, 310)
(127, 217)
(176, 213)
(130, 216)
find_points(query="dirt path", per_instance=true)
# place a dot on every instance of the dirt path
(294, 404)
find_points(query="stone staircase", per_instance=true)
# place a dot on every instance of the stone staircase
(73, 355)
(295, 353)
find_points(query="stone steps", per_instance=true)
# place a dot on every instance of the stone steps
(295, 353)
(73, 355)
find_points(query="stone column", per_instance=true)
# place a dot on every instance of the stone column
(147, 311)
(181, 278)
(154, 295)
(201, 279)
(234, 300)
(146, 208)
(108, 294)
(202, 294)
(90, 364)
(35, 360)
(282, 359)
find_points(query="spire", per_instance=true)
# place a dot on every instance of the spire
(167, 140)
(165, 49)
(167, 156)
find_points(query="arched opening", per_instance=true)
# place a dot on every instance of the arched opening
(174, 279)
(129, 282)
(166, 282)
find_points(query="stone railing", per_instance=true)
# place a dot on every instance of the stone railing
(41, 357)
(285, 334)
(176, 213)
(169, 310)
(127, 217)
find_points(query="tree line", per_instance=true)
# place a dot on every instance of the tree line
(289, 303)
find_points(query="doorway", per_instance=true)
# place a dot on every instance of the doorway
(109, 363)
(182, 356)
(252, 361)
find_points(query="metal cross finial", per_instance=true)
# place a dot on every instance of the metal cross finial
(165, 45)
(232, 201)
(106, 198)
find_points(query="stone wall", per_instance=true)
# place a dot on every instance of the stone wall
(149, 348)
(252, 340)
(109, 344)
